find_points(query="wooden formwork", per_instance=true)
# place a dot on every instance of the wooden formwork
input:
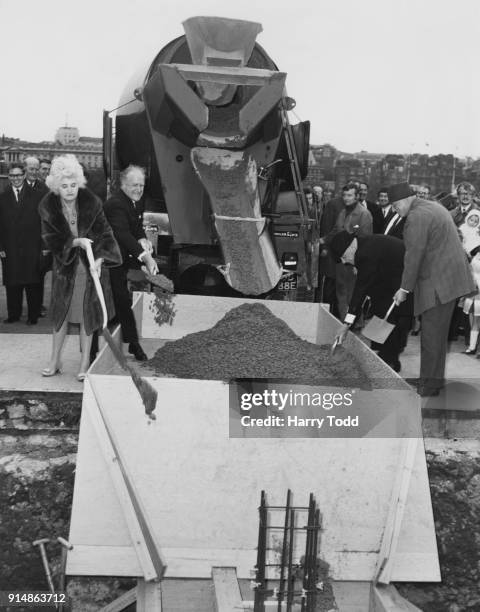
(184, 488)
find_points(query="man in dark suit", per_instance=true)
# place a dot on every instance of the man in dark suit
(20, 245)
(436, 270)
(379, 263)
(124, 212)
(392, 221)
(37, 184)
(32, 167)
(385, 207)
(373, 209)
(45, 165)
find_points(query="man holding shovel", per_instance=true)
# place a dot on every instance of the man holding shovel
(436, 270)
(379, 263)
(124, 212)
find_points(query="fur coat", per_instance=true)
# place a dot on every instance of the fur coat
(58, 238)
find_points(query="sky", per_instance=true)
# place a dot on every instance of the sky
(377, 75)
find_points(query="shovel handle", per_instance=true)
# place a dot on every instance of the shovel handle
(389, 311)
(96, 282)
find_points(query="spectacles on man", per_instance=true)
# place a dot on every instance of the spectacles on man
(16, 175)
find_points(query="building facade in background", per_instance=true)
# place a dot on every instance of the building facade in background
(88, 150)
(440, 172)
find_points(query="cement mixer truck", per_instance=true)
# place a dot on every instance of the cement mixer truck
(208, 120)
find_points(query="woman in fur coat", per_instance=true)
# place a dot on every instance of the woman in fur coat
(71, 218)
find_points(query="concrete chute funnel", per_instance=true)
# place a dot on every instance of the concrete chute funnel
(216, 41)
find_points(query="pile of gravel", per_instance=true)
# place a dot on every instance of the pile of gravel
(251, 342)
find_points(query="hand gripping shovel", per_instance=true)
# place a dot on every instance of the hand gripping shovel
(378, 329)
(147, 392)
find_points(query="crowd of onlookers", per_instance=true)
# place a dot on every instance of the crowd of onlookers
(347, 220)
(402, 246)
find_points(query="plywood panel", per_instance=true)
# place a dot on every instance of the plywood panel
(201, 489)
(227, 592)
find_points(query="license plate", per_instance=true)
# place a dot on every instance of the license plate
(288, 284)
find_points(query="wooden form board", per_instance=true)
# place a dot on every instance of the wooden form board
(227, 590)
(200, 489)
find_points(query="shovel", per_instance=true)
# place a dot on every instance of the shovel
(147, 392)
(378, 329)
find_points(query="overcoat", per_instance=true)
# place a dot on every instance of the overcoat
(58, 238)
(435, 266)
(379, 263)
(20, 236)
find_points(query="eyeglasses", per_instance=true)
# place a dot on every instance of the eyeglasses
(16, 175)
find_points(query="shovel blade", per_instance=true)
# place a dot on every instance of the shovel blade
(377, 330)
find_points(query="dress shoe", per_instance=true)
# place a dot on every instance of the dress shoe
(469, 351)
(51, 372)
(32, 321)
(11, 320)
(81, 376)
(396, 365)
(136, 350)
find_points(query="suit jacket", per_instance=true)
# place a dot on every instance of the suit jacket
(379, 263)
(377, 216)
(39, 186)
(20, 236)
(459, 217)
(436, 266)
(395, 230)
(125, 219)
(391, 213)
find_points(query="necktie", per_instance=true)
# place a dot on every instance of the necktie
(17, 194)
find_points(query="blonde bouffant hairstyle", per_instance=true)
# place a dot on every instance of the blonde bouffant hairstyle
(65, 166)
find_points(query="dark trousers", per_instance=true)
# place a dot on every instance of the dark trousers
(390, 350)
(434, 344)
(122, 299)
(459, 324)
(345, 278)
(42, 287)
(15, 300)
